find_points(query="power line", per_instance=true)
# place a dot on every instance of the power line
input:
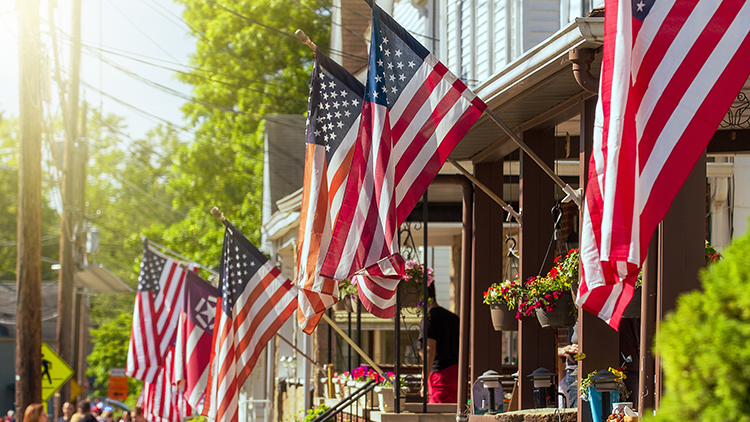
(140, 30)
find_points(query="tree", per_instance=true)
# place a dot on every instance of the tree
(705, 345)
(111, 351)
(249, 67)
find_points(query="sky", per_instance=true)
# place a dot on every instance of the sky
(149, 30)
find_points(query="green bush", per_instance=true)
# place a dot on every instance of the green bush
(705, 345)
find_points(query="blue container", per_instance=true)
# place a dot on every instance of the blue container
(595, 401)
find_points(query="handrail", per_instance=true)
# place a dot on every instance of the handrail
(348, 401)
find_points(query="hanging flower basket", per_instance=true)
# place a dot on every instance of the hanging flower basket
(503, 319)
(562, 315)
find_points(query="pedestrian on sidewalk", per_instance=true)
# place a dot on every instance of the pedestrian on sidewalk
(34, 413)
(442, 329)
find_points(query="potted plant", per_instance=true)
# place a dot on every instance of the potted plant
(347, 296)
(412, 283)
(386, 395)
(549, 296)
(503, 299)
(361, 375)
(590, 393)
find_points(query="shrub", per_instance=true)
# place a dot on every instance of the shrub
(705, 345)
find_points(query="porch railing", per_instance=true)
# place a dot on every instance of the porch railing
(351, 402)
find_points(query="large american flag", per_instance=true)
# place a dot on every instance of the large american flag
(670, 71)
(157, 307)
(415, 112)
(333, 119)
(255, 301)
(194, 334)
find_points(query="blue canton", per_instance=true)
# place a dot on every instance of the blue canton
(335, 103)
(152, 265)
(395, 56)
(641, 8)
(240, 261)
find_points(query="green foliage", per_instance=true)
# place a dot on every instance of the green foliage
(705, 345)
(110, 351)
(311, 414)
(9, 156)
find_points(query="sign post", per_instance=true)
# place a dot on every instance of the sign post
(118, 384)
(55, 372)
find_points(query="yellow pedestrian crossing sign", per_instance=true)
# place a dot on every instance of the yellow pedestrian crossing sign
(55, 372)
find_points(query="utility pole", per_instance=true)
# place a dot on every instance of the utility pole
(29, 265)
(79, 325)
(72, 211)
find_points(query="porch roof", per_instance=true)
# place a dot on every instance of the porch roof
(536, 89)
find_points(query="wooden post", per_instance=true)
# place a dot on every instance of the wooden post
(485, 342)
(72, 213)
(29, 271)
(536, 344)
(681, 251)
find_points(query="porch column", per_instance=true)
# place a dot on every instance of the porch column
(681, 250)
(486, 343)
(596, 339)
(536, 345)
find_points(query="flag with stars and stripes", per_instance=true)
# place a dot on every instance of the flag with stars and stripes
(333, 120)
(194, 334)
(158, 303)
(414, 113)
(670, 71)
(255, 299)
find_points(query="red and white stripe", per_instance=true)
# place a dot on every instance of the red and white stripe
(398, 154)
(164, 402)
(666, 83)
(155, 322)
(377, 285)
(240, 336)
(322, 195)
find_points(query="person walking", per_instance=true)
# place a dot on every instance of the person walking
(84, 408)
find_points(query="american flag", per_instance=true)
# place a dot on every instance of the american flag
(415, 112)
(194, 334)
(256, 299)
(333, 119)
(163, 401)
(670, 71)
(377, 284)
(157, 308)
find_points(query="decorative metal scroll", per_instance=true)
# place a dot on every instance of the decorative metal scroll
(737, 116)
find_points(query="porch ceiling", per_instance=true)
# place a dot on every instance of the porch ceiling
(536, 90)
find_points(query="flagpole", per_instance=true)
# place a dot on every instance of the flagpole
(571, 194)
(487, 190)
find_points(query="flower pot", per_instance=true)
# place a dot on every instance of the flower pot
(503, 319)
(633, 310)
(562, 317)
(340, 305)
(337, 388)
(595, 403)
(386, 398)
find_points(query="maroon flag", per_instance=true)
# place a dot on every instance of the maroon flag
(256, 299)
(414, 113)
(157, 308)
(194, 333)
(670, 71)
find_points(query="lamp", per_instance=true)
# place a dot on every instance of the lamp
(604, 382)
(491, 381)
(544, 391)
(511, 270)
